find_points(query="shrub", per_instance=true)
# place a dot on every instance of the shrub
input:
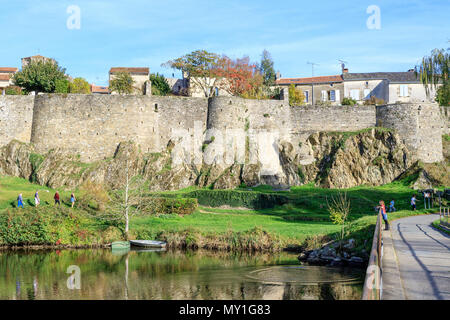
(62, 86)
(348, 101)
(79, 85)
(160, 86)
(92, 195)
(122, 83)
(296, 96)
(374, 101)
(167, 206)
(13, 91)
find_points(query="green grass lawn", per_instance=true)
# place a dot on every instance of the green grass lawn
(304, 216)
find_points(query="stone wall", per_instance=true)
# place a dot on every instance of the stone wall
(92, 126)
(16, 116)
(419, 125)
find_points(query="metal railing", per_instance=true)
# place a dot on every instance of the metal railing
(444, 215)
(372, 284)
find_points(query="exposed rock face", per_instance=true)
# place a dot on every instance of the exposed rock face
(373, 157)
(337, 160)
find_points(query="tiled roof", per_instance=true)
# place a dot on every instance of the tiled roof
(99, 89)
(315, 80)
(391, 76)
(7, 69)
(130, 70)
(4, 77)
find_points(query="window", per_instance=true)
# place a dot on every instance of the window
(332, 95)
(367, 94)
(324, 95)
(404, 92)
(306, 96)
(354, 94)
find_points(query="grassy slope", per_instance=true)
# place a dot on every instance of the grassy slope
(305, 216)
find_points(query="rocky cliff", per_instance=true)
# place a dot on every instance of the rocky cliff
(336, 160)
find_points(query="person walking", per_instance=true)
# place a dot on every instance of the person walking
(37, 201)
(382, 208)
(391, 206)
(20, 201)
(413, 203)
(56, 197)
(72, 199)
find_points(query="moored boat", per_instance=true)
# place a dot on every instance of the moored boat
(148, 243)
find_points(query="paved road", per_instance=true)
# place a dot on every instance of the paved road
(423, 256)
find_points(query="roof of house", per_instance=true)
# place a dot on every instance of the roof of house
(409, 76)
(8, 69)
(99, 89)
(311, 80)
(130, 70)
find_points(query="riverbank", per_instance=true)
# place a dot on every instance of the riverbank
(295, 220)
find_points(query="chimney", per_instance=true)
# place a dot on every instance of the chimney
(278, 75)
(345, 70)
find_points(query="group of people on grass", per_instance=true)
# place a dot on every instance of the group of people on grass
(382, 208)
(37, 200)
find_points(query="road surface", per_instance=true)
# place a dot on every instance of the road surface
(423, 258)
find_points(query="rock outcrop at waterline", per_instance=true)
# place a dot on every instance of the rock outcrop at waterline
(334, 160)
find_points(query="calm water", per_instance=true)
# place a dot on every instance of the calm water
(170, 275)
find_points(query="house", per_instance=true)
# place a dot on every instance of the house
(37, 58)
(139, 75)
(99, 89)
(392, 87)
(324, 88)
(6, 74)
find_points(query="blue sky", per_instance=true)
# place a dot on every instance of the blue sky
(146, 33)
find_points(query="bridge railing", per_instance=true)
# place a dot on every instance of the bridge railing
(372, 284)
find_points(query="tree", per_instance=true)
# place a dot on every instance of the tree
(339, 208)
(39, 76)
(434, 70)
(160, 86)
(79, 85)
(266, 68)
(241, 76)
(62, 86)
(201, 68)
(296, 96)
(122, 83)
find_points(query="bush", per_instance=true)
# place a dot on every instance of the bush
(167, 206)
(296, 96)
(79, 85)
(160, 86)
(348, 101)
(92, 196)
(13, 91)
(234, 198)
(62, 86)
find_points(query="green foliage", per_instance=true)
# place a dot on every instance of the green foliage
(300, 173)
(235, 198)
(79, 85)
(160, 86)
(443, 95)
(13, 91)
(348, 101)
(296, 96)
(122, 83)
(266, 69)
(62, 86)
(39, 76)
(434, 70)
(36, 161)
(374, 101)
(167, 206)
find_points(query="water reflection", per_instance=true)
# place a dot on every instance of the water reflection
(170, 275)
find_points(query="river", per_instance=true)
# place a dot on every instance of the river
(103, 274)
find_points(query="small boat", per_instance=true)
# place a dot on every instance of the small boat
(120, 245)
(148, 243)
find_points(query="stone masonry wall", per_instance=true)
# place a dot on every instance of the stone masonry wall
(93, 125)
(419, 125)
(16, 116)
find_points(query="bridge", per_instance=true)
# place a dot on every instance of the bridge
(411, 261)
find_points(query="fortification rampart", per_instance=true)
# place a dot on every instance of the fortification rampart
(93, 125)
